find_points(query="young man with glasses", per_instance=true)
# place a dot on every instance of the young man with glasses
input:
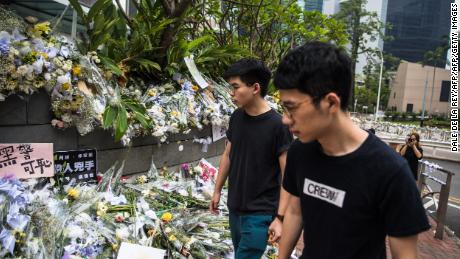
(349, 190)
(253, 161)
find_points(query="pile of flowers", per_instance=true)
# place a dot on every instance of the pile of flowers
(168, 210)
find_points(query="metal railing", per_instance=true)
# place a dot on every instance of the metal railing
(426, 170)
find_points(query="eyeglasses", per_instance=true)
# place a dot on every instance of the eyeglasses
(290, 109)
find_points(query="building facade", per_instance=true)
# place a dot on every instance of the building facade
(414, 81)
(417, 27)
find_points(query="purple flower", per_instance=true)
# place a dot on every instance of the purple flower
(52, 52)
(64, 51)
(66, 255)
(38, 44)
(18, 36)
(8, 240)
(185, 167)
(4, 42)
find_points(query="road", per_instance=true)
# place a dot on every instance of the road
(453, 210)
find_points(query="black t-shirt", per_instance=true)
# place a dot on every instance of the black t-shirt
(254, 177)
(351, 202)
(413, 160)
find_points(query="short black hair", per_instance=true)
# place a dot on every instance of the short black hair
(250, 71)
(316, 69)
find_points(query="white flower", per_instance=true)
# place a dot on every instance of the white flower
(38, 66)
(22, 70)
(60, 72)
(122, 233)
(63, 79)
(74, 231)
(47, 76)
(66, 118)
(67, 67)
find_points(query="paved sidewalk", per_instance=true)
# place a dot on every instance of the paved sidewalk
(430, 247)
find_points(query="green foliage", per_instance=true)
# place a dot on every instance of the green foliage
(362, 26)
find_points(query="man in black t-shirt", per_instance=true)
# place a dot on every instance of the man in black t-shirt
(349, 189)
(253, 161)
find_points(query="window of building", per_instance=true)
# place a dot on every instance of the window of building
(445, 91)
(409, 107)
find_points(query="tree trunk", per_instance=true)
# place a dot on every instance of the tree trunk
(174, 9)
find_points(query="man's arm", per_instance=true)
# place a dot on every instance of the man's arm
(276, 226)
(403, 247)
(222, 175)
(292, 228)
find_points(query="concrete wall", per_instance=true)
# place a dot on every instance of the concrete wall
(27, 120)
(409, 87)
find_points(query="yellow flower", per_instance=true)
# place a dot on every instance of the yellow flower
(42, 28)
(195, 88)
(44, 55)
(152, 92)
(73, 193)
(175, 113)
(66, 86)
(114, 246)
(166, 217)
(172, 238)
(76, 70)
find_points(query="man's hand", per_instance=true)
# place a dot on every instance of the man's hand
(274, 231)
(214, 204)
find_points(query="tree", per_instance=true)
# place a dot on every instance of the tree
(435, 58)
(153, 43)
(362, 26)
(371, 74)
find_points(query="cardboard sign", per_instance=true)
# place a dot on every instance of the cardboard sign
(195, 73)
(131, 251)
(26, 160)
(80, 165)
(218, 133)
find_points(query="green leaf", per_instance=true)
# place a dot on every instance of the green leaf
(142, 119)
(121, 124)
(77, 7)
(96, 8)
(110, 64)
(148, 64)
(109, 115)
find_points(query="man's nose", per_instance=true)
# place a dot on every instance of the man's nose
(286, 120)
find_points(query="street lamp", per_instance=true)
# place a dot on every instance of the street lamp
(380, 84)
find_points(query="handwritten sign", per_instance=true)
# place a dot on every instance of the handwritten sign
(195, 73)
(80, 165)
(26, 160)
(218, 133)
(129, 251)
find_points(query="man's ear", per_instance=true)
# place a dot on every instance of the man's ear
(333, 102)
(257, 88)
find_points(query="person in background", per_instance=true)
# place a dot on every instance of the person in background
(253, 161)
(412, 152)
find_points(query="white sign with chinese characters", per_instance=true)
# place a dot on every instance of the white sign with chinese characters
(80, 165)
(26, 160)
